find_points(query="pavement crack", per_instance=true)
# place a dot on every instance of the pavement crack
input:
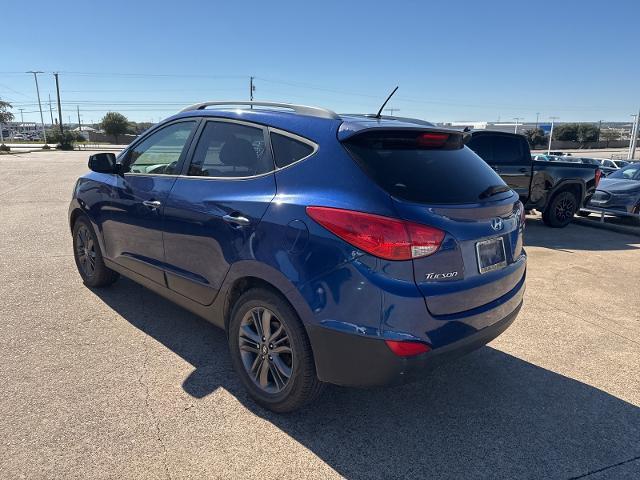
(593, 472)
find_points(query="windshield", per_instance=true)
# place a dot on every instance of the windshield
(632, 172)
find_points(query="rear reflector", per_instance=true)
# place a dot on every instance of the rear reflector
(383, 237)
(598, 176)
(407, 349)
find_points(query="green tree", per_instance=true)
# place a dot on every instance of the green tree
(116, 124)
(587, 132)
(139, 127)
(5, 116)
(567, 132)
(535, 136)
(609, 134)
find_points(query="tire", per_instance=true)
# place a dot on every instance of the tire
(88, 256)
(560, 210)
(262, 363)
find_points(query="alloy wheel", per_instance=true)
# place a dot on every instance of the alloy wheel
(265, 350)
(565, 209)
(86, 251)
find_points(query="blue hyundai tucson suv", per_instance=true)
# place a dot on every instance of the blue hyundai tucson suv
(356, 250)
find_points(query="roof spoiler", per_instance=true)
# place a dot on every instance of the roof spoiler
(407, 137)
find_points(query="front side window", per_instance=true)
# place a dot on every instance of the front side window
(160, 152)
(231, 150)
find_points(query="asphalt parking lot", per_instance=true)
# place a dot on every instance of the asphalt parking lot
(120, 383)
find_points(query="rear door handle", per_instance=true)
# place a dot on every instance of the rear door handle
(236, 220)
(152, 204)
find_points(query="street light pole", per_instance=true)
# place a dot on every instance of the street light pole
(537, 118)
(551, 133)
(35, 76)
(634, 137)
(517, 119)
(21, 119)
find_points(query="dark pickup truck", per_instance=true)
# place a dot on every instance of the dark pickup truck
(557, 189)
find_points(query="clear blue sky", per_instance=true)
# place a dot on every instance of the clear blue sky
(457, 60)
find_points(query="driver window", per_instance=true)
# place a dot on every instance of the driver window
(159, 153)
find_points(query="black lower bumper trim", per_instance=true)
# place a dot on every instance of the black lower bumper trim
(350, 360)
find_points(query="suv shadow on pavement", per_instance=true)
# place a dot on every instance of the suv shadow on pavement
(575, 237)
(486, 415)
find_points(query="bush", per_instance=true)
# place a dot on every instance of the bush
(63, 141)
(4, 148)
(46, 147)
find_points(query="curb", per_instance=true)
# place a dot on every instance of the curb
(627, 230)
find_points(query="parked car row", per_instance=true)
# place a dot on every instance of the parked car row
(618, 194)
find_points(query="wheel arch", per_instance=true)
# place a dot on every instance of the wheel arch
(572, 186)
(252, 274)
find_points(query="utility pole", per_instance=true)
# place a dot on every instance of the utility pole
(79, 124)
(252, 88)
(517, 119)
(50, 111)
(391, 110)
(551, 133)
(35, 77)
(537, 117)
(21, 119)
(59, 106)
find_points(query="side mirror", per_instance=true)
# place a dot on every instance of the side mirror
(103, 162)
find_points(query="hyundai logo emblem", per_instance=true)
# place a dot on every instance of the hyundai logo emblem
(496, 223)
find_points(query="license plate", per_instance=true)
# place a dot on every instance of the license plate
(491, 255)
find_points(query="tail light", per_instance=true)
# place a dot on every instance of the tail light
(407, 348)
(383, 237)
(598, 176)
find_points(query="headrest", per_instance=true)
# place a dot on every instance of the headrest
(237, 152)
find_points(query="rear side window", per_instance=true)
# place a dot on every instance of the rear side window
(227, 149)
(507, 150)
(499, 149)
(288, 150)
(432, 176)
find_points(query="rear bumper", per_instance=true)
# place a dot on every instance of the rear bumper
(352, 360)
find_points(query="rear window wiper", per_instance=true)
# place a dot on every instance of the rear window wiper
(493, 190)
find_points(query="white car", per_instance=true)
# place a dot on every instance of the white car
(605, 162)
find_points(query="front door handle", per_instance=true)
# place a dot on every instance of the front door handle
(152, 204)
(236, 220)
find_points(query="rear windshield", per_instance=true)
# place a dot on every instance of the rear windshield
(432, 176)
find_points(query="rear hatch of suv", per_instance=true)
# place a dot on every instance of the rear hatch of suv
(435, 180)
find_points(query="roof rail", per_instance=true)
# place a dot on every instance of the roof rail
(300, 109)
